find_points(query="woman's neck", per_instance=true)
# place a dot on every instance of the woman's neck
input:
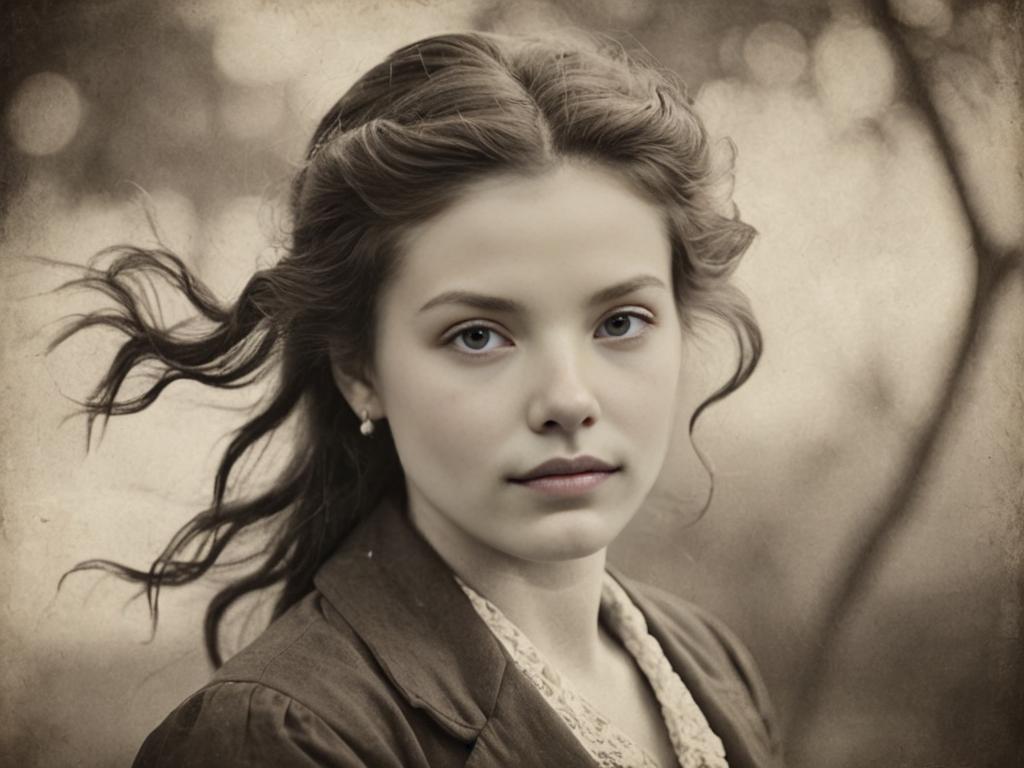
(555, 604)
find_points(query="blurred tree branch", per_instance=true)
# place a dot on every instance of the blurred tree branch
(992, 266)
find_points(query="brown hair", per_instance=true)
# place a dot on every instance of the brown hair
(394, 150)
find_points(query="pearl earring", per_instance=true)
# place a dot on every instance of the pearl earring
(366, 426)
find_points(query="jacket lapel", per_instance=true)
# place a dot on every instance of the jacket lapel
(525, 730)
(401, 599)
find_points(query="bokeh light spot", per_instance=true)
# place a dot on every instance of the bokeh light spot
(933, 16)
(45, 114)
(855, 71)
(253, 112)
(259, 48)
(730, 50)
(776, 54)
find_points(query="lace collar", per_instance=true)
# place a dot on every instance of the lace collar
(695, 744)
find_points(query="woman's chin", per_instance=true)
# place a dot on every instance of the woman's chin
(570, 538)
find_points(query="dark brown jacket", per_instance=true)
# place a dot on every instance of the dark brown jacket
(387, 664)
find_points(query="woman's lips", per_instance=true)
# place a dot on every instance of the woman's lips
(566, 485)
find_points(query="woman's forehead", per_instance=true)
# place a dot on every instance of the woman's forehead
(572, 226)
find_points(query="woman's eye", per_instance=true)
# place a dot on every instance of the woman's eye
(474, 339)
(625, 325)
(481, 339)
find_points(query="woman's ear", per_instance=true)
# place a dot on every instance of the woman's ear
(359, 391)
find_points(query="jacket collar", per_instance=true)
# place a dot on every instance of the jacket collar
(400, 597)
(402, 600)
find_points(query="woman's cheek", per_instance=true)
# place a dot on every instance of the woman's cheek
(658, 400)
(448, 422)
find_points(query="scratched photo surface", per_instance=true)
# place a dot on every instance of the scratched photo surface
(865, 535)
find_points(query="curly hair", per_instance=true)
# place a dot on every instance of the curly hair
(397, 148)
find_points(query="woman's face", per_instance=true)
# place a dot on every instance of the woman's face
(531, 320)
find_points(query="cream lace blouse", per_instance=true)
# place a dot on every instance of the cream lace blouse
(695, 744)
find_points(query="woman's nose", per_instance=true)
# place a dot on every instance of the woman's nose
(563, 396)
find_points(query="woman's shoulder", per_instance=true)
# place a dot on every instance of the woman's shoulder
(716, 647)
(303, 692)
(293, 654)
(230, 723)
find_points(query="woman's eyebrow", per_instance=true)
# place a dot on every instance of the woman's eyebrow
(499, 304)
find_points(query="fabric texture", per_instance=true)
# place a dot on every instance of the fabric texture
(695, 744)
(387, 663)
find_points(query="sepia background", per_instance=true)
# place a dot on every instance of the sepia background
(865, 537)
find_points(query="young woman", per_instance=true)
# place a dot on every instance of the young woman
(498, 245)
